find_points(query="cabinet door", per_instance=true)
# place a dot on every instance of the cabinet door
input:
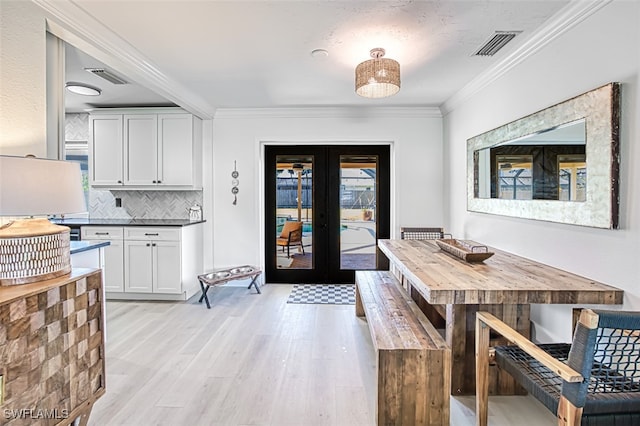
(138, 267)
(114, 266)
(175, 149)
(167, 270)
(106, 153)
(140, 144)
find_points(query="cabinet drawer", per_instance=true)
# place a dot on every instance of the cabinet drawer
(148, 233)
(102, 233)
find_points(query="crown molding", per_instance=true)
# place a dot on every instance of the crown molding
(329, 112)
(71, 23)
(572, 14)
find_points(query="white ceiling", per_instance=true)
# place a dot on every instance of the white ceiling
(257, 53)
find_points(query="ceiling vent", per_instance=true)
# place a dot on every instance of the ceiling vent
(107, 75)
(496, 42)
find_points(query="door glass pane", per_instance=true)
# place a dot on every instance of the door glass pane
(572, 178)
(294, 220)
(358, 212)
(515, 177)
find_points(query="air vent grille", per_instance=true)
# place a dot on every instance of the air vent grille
(496, 42)
(107, 75)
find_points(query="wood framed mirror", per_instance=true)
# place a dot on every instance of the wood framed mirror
(560, 164)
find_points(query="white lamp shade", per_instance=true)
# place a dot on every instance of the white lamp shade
(37, 187)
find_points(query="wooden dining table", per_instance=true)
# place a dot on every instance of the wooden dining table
(505, 285)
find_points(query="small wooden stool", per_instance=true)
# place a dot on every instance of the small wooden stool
(221, 276)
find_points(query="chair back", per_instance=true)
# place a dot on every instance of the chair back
(421, 233)
(606, 352)
(289, 227)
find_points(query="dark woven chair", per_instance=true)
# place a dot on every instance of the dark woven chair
(595, 380)
(421, 233)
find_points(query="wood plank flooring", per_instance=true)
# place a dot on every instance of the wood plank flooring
(253, 360)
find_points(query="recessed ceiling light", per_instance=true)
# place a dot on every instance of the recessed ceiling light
(83, 89)
(319, 53)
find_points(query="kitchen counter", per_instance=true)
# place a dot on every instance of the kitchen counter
(126, 222)
(80, 246)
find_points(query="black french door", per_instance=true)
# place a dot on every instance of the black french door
(338, 195)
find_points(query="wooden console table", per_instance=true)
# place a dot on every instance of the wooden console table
(52, 349)
(504, 285)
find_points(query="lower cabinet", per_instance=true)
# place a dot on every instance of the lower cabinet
(113, 270)
(155, 263)
(152, 267)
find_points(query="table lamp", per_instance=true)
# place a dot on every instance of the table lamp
(34, 249)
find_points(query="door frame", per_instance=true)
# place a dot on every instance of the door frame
(263, 142)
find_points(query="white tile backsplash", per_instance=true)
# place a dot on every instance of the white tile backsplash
(142, 204)
(76, 127)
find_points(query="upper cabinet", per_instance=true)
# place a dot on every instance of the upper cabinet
(141, 153)
(146, 149)
(105, 156)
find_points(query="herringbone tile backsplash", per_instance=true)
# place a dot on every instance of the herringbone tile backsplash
(142, 204)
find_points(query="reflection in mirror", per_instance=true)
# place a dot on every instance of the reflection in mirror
(546, 165)
(559, 164)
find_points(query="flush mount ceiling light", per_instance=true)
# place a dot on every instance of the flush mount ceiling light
(83, 89)
(378, 77)
(319, 53)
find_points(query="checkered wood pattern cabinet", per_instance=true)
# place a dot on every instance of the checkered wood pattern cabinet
(52, 349)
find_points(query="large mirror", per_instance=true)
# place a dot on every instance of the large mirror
(559, 164)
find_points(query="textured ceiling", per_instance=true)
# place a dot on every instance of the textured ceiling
(257, 53)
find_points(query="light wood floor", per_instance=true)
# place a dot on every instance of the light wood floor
(253, 360)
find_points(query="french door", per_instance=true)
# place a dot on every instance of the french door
(338, 198)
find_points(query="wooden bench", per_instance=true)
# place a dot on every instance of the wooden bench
(413, 360)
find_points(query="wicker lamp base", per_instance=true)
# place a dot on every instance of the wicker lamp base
(33, 250)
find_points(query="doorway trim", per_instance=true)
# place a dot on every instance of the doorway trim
(261, 160)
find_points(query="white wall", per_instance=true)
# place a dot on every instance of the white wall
(23, 102)
(415, 135)
(603, 48)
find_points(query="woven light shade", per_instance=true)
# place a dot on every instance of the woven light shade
(378, 77)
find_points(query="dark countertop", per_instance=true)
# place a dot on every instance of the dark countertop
(80, 246)
(126, 222)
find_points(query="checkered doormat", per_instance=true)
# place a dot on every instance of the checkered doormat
(325, 294)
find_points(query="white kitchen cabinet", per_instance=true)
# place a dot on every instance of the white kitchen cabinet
(105, 150)
(113, 269)
(150, 263)
(140, 149)
(138, 270)
(167, 267)
(152, 266)
(147, 148)
(176, 155)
